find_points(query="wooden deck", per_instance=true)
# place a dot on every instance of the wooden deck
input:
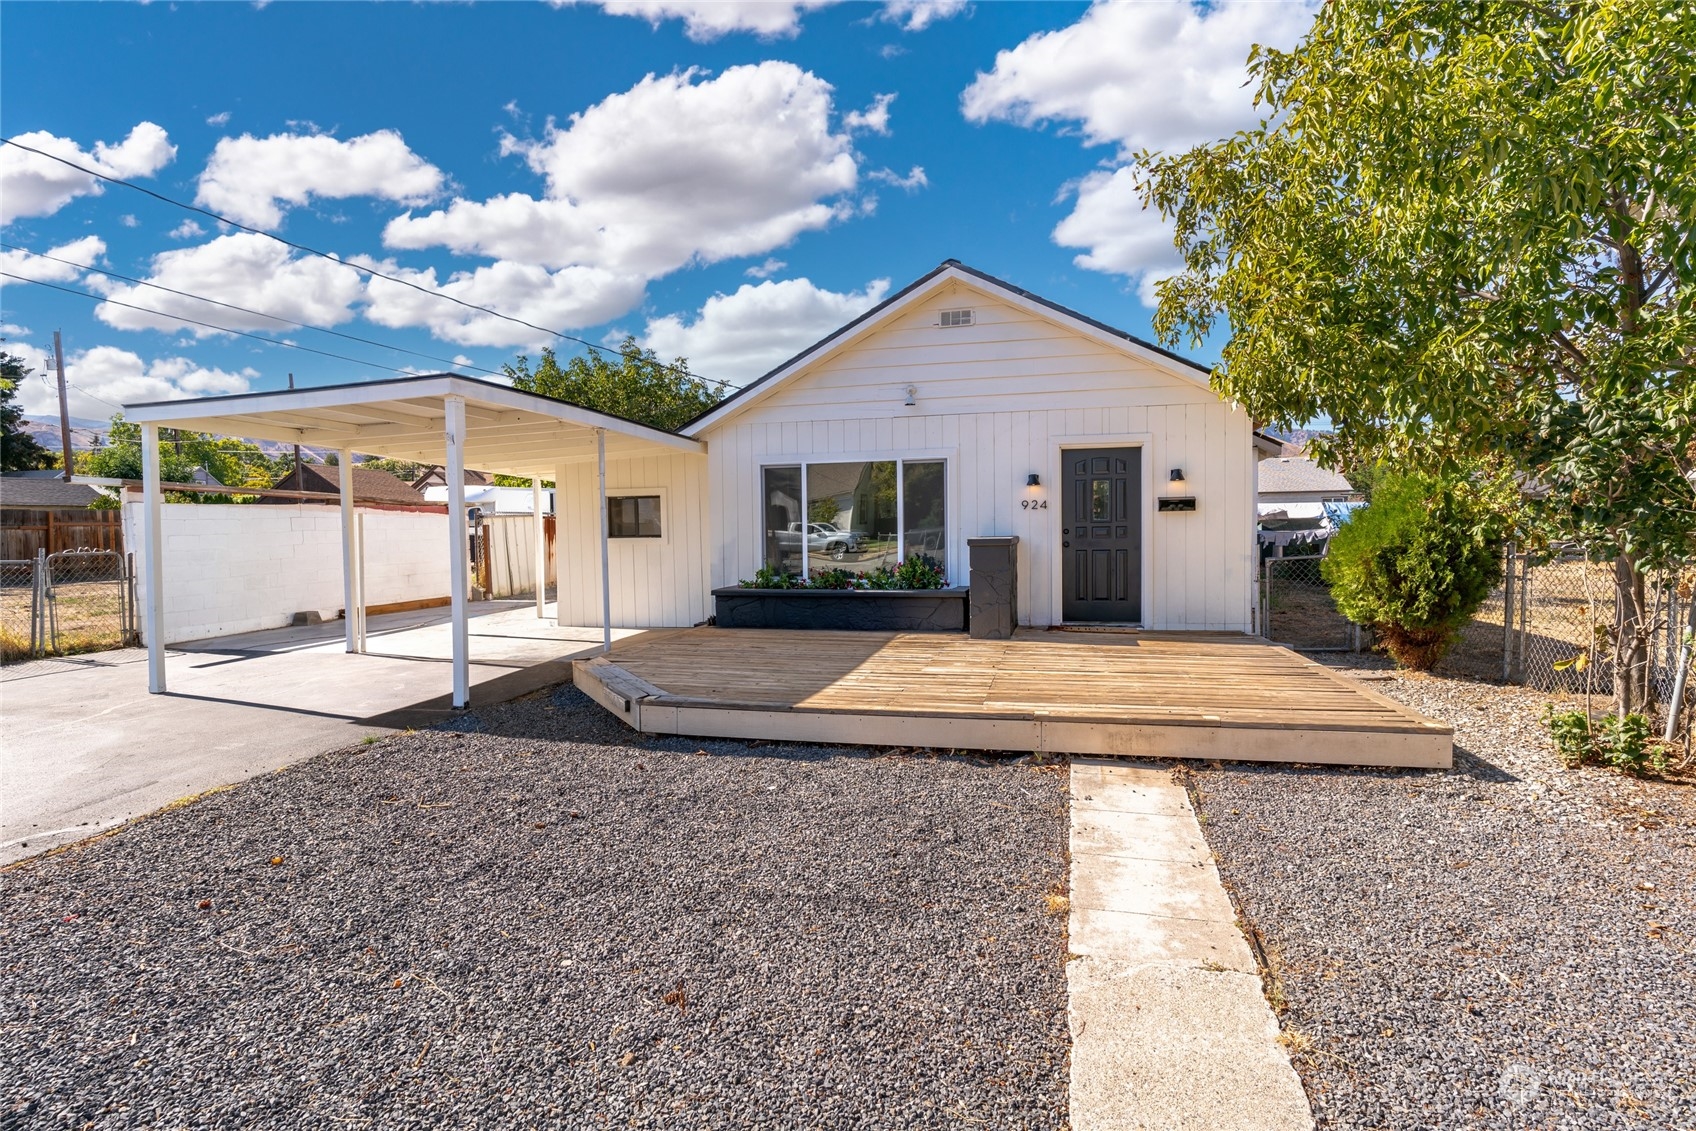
(1143, 694)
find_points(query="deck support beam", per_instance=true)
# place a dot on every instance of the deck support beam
(459, 546)
(152, 556)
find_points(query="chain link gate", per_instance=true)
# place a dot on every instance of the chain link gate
(1296, 608)
(68, 602)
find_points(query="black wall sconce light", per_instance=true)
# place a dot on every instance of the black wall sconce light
(1033, 480)
(1177, 477)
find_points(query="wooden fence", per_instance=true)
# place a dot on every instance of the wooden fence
(25, 531)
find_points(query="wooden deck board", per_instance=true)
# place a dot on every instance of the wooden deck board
(1205, 695)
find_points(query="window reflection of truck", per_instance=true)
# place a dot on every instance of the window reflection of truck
(822, 538)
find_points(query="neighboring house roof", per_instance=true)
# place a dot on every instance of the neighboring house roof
(1266, 445)
(950, 270)
(369, 484)
(45, 494)
(1300, 475)
(438, 477)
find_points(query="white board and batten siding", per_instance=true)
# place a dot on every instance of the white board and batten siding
(1000, 399)
(656, 582)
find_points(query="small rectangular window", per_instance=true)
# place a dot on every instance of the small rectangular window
(633, 516)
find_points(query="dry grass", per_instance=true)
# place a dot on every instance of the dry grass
(88, 616)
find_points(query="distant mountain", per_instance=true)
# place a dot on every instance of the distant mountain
(46, 432)
(88, 434)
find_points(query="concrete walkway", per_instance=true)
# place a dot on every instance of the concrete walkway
(83, 746)
(1170, 1028)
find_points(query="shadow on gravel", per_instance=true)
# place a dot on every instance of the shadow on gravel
(539, 918)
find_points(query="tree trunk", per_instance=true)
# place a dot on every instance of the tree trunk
(1631, 638)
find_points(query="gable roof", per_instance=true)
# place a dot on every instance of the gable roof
(46, 494)
(949, 271)
(369, 484)
(1293, 474)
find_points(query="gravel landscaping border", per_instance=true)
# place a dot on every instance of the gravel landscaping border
(1509, 944)
(540, 918)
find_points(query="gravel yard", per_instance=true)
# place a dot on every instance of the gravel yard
(544, 919)
(1507, 945)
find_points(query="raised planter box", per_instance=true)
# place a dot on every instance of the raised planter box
(886, 610)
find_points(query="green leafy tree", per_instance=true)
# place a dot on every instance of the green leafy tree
(18, 449)
(1466, 229)
(232, 462)
(1416, 563)
(636, 385)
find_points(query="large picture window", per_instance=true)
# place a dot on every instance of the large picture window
(853, 516)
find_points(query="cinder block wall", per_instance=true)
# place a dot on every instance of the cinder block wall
(241, 567)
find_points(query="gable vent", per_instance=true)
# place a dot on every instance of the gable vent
(956, 318)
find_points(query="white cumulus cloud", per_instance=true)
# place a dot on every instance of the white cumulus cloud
(916, 15)
(219, 120)
(1162, 75)
(105, 377)
(873, 119)
(912, 182)
(187, 230)
(1119, 235)
(707, 20)
(739, 337)
(32, 185)
(570, 298)
(678, 169)
(242, 269)
(767, 269)
(89, 250)
(250, 178)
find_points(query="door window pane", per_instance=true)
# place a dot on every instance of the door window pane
(782, 503)
(924, 517)
(851, 516)
(1101, 500)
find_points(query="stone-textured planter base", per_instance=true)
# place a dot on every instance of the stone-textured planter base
(886, 610)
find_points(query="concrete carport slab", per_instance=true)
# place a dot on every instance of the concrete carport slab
(444, 419)
(84, 747)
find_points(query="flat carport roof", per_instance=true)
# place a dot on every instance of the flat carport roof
(444, 419)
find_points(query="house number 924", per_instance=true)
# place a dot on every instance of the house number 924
(1034, 504)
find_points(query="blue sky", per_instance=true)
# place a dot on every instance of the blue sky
(729, 180)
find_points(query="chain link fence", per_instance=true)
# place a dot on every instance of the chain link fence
(68, 602)
(1296, 608)
(1549, 625)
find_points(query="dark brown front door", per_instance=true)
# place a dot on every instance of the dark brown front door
(1101, 535)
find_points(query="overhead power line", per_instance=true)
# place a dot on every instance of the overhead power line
(246, 310)
(198, 322)
(306, 250)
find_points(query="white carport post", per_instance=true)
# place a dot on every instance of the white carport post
(541, 531)
(459, 546)
(350, 558)
(152, 555)
(606, 578)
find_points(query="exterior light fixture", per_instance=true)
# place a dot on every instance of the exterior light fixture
(1177, 477)
(912, 396)
(1033, 480)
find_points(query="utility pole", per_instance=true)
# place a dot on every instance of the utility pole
(298, 484)
(64, 406)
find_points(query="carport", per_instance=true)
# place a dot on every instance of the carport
(444, 419)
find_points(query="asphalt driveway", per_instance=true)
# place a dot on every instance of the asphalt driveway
(84, 747)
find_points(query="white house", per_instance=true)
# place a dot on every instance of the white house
(960, 407)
